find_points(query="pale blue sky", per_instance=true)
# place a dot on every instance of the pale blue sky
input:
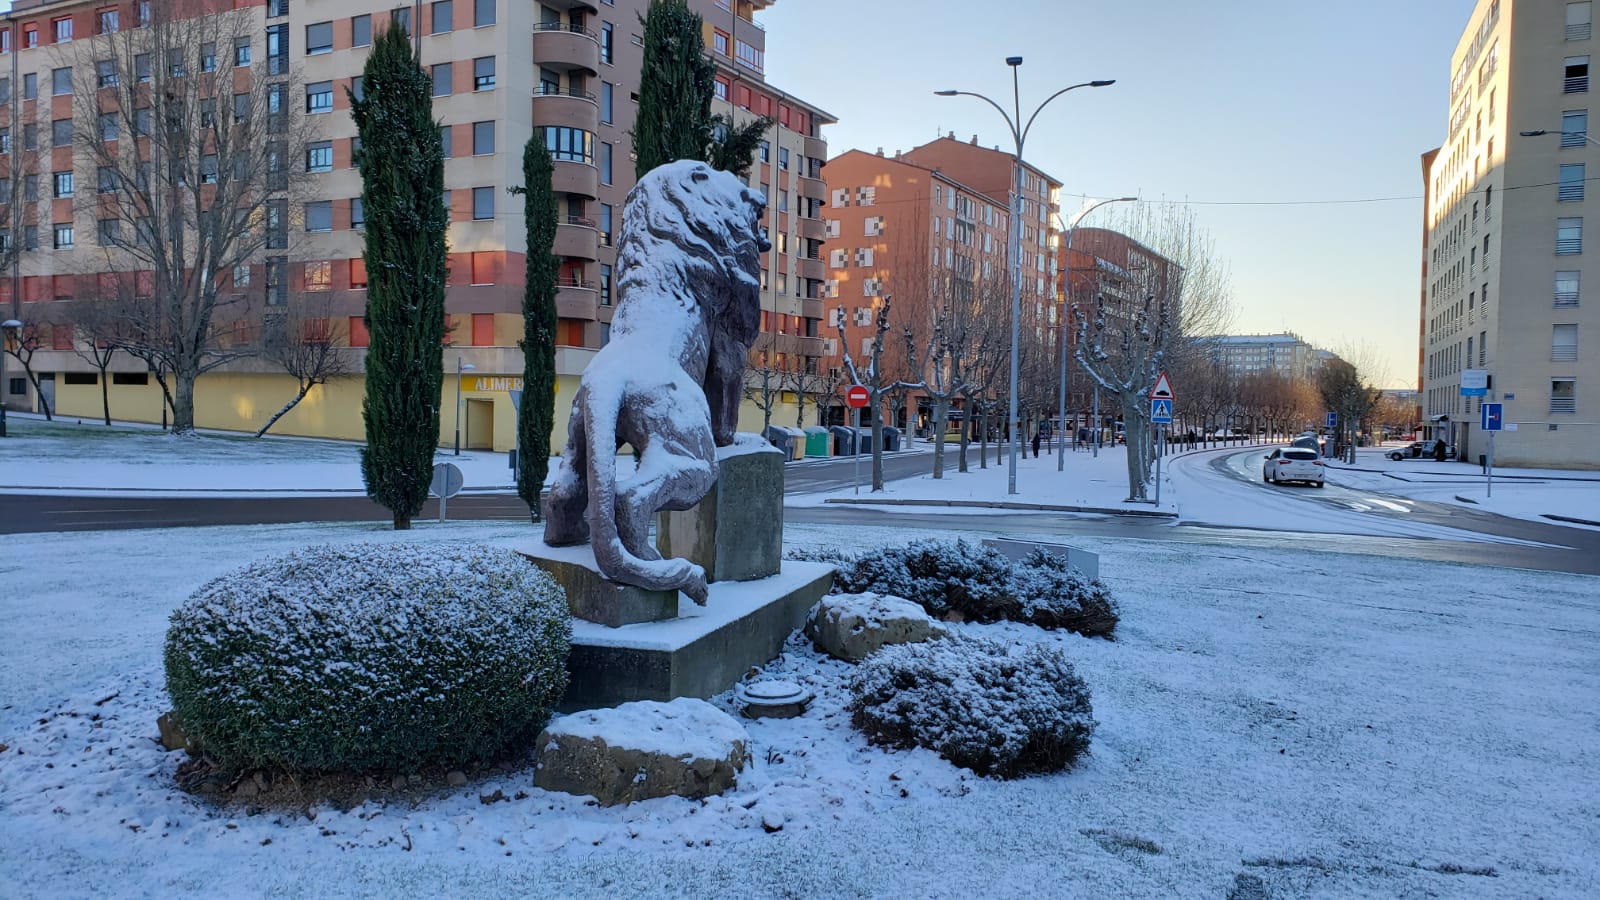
(1233, 100)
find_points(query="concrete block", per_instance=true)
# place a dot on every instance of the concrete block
(736, 532)
(1083, 560)
(594, 598)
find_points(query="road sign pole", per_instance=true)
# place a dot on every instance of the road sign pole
(443, 502)
(1159, 447)
(1489, 481)
(855, 447)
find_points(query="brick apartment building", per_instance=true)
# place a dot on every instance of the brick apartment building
(499, 69)
(926, 227)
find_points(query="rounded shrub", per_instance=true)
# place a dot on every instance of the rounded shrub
(371, 656)
(943, 576)
(1057, 596)
(1005, 713)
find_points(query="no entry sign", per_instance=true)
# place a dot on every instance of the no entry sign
(857, 396)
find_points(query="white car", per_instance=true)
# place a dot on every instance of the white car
(1293, 464)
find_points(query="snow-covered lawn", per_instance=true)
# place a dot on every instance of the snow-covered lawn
(1313, 724)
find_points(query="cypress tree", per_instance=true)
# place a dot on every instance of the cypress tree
(402, 192)
(676, 84)
(536, 413)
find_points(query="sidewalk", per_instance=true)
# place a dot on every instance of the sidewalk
(1560, 495)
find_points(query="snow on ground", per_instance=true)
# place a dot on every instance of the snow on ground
(1520, 493)
(1329, 729)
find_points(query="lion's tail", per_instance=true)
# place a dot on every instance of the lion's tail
(616, 561)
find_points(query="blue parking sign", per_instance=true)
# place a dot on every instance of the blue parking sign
(1490, 417)
(1333, 419)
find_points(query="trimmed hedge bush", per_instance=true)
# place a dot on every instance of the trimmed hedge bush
(1005, 713)
(372, 656)
(981, 585)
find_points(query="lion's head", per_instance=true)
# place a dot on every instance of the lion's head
(690, 222)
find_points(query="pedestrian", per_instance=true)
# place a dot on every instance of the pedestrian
(1189, 439)
(1036, 436)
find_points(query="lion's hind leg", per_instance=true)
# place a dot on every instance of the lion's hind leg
(674, 473)
(565, 521)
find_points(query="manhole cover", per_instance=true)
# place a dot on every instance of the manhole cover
(779, 699)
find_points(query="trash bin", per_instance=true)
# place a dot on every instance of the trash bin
(891, 438)
(844, 440)
(780, 438)
(817, 442)
(797, 442)
(866, 439)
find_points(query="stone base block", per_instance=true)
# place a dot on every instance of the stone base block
(736, 532)
(1083, 560)
(701, 653)
(594, 598)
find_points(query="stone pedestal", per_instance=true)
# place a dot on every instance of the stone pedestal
(736, 532)
(594, 598)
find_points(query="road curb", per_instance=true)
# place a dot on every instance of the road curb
(987, 504)
(1573, 519)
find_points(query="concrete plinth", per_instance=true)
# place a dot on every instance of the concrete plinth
(701, 653)
(594, 598)
(736, 532)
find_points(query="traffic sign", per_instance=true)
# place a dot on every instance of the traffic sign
(1163, 389)
(1161, 411)
(1491, 420)
(857, 396)
(1333, 419)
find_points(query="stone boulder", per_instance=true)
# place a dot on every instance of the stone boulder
(641, 750)
(852, 626)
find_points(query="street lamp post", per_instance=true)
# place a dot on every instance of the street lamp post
(1014, 234)
(1066, 279)
(7, 328)
(461, 367)
(1544, 131)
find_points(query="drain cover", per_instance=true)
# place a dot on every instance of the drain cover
(778, 699)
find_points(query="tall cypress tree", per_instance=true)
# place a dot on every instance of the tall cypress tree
(402, 192)
(536, 414)
(676, 83)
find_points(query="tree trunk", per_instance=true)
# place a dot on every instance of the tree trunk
(183, 401)
(105, 397)
(305, 388)
(877, 447)
(402, 522)
(939, 406)
(983, 439)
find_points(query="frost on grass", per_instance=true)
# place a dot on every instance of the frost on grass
(958, 580)
(1005, 712)
(369, 656)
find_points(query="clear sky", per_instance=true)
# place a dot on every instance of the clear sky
(1232, 100)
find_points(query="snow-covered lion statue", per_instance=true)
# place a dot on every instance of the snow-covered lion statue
(670, 381)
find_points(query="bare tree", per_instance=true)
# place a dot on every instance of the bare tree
(763, 386)
(874, 380)
(97, 339)
(29, 340)
(828, 392)
(940, 370)
(807, 387)
(192, 154)
(307, 343)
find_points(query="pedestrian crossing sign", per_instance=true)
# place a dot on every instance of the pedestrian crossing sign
(1161, 412)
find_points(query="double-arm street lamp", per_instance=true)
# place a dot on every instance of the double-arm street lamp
(1019, 135)
(1564, 135)
(461, 368)
(1066, 280)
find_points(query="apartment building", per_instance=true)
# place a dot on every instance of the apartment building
(912, 226)
(499, 69)
(1285, 355)
(1504, 256)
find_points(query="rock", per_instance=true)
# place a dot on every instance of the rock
(172, 737)
(398, 783)
(851, 626)
(247, 788)
(641, 750)
(455, 778)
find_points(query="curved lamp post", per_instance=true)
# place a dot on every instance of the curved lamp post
(461, 367)
(1066, 279)
(1544, 131)
(1014, 233)
(7, 328)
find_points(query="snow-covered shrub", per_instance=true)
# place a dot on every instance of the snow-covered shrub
(982, 585)
(945, 577)
(999, 712)
(1056, 595)
(833, 556)
(369, 656)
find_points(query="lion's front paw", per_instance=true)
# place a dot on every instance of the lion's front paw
(696, 586)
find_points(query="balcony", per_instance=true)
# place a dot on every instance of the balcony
(565, 5)
(577, 299)
(814, 269)
(563, 47)
(576, 238)
(813, 188)
(563, 107)
(812, 229)
(816, 148)
(579, 178)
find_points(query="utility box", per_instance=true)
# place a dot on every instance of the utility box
(818, 442)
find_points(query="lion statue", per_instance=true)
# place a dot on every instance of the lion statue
(670, 381)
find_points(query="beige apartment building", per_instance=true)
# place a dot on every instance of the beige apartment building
(499, 69)
(1504, 262)
(1286, 355)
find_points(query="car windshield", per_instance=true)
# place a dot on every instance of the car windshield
(1299, 454)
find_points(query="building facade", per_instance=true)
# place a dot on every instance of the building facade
(1504, 258)
(1244, 355)
(499, 69)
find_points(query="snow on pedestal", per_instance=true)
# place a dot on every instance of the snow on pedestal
(641, 750)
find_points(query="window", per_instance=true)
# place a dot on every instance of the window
(719, 41)
(106, 179)
(441, 80)
(30, 188)
(1570, 182)
(358, 214)
(1576, 69)
(1574, 127)
(278, 49)
(766, 152)
(1569, 236)
(1563, 395)
(61, 29)
(482, 203)
(319, 38)
(482, 13)
(30, 86)
(106, 20)
(319, 216)
(605, 224)
(570, 144)
(319, 156)
(783, 158)
(241, 52)
(319, 276)
(720, 89)
(1564, 343)
(62, 184)
(208, 57)
(61, 81)
(30, 36)
(606, 90)
(30, 237)
(483, 73)
(605, 163)
(105, 72)
(358, 280)
(175, 66)
(208, 169)
(63, 237)
(276, 8)
(241, 276)
(482, 138)
(142, 10)
(605, 285)
(319, 97)
(482, 273)
(1578, 19)
(748, 55)
(401, 17)
(606, 44)
(108, 232)
(61, 133)
(241, 107)
(361, 31)
(1566, 294)
(443, 17)
(446, 141)
(277, 280)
